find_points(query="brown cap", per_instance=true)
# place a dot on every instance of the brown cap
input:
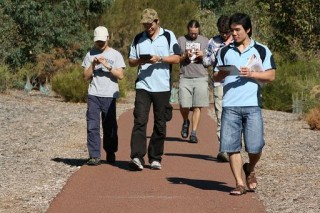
(148, 16)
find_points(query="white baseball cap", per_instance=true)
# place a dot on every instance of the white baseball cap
(100, 34)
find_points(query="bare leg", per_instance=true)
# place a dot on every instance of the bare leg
(196, 118)
(235, 161)
(253, 160)
(185, 113)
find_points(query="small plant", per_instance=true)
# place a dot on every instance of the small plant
(70, 84)
(313, 118)
(4, 78)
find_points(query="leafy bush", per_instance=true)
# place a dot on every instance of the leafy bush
(70, 84)
(313, 118)
(293, 81)
(32, 27)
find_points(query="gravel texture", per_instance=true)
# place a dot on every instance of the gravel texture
(43, 143)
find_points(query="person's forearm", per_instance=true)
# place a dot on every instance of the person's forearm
(266, 76)
(87, 73)
(172, 59)
(134, 62)
(117, 72)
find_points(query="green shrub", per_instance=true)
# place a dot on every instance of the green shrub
(293, 81)
(70, 84)
(5, 78)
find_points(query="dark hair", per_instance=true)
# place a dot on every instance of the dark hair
(193, 23)
(223, 23)
(241, 19)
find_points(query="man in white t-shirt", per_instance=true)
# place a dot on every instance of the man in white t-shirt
(103, 67)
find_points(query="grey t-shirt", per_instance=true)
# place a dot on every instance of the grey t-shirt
(196, 69)
(103, 83)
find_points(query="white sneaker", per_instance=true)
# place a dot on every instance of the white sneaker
(135, 164)
(155, 165)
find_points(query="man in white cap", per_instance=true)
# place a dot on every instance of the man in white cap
(103, 67)
(153, 51)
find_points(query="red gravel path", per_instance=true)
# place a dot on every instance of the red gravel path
(191, 179)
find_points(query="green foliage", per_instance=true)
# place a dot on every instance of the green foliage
(208, 22)
(215, 5)
(293, 81)
(124, 27)
(5, 78)
(38, 26)
(70, 84)
(294, 24)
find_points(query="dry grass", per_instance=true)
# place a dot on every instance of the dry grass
(313, 118)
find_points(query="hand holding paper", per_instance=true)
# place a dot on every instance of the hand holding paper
(255, 64)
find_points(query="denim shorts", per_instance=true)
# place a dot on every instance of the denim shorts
(238, 120)
(194, 92)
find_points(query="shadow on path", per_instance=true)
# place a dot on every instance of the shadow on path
(201, 184)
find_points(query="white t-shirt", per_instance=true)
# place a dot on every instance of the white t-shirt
(103, 83)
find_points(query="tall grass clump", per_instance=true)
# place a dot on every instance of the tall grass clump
(128, 82)
(294, 80)
(313, 118)
(5, 78)
(70, 84)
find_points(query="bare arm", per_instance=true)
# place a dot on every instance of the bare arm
(266, 76)
(87, 72)
(116, 72)
(172, 59)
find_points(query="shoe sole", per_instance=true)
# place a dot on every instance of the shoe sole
(156, 167)
(134, 167)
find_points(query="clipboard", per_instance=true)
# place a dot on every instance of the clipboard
(145, 56)
(231, 68)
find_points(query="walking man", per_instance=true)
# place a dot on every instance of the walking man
(103, 67)
(153, 51)
(193, 83)
(241, 111)
(215, 43)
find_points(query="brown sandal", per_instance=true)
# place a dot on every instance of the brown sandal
(239, 190)
(250, 177)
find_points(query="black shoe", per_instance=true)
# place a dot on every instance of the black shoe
(185, 129)
(223, 157)
(111, 157)
(93, 161)
(193, 139)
